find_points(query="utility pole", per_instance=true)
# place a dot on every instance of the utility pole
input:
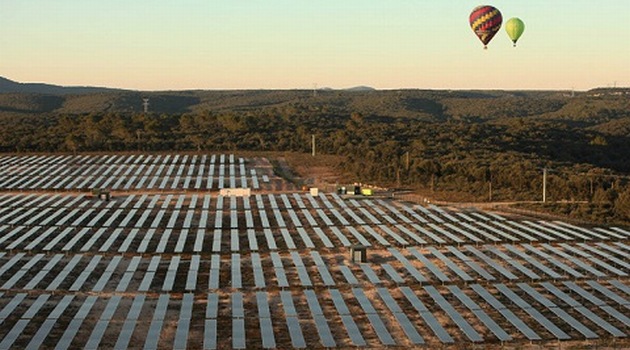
(490, 191)
(544, 199)
(145, 104)
(313, 144)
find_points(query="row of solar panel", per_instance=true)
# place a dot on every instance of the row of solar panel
(22, 272)
(154, 240)
(12, 162)
(599, 316)
(76, 213)
(127, 183)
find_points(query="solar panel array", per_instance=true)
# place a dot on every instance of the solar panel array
(129, 173)
(175, 269)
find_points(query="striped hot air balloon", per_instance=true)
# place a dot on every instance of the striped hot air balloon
(485, 21)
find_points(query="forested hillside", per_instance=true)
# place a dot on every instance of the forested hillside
(445, 141)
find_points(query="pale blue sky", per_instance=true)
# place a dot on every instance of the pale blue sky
(216, 44)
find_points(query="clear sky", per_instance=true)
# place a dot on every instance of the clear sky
(285, 44)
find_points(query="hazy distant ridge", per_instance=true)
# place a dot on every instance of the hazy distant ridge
(10, 86)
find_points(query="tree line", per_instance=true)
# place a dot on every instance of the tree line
(493, 159)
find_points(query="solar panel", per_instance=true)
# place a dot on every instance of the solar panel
(359, 236)
(75, 324)
(370, 274)
(320, 233)
(99, 330)
(393, 275)
(169, 280)
(601, 304)
(110, 240)
(348, 275)
(426, 262)
(575, 261)
(443, 232)
(166, 235)
(596, 261)
(620, 286)
(128, 275)
(581, 309)
(491, 229)
(559, 312)
(487, 321)
(130, 322)
(549, 230)
(340, 217)
(464, 232)
(428, 233)
(311, 220)
(287, 238)
(549, 258)
(380, 212)
(551, 273)
(609, 294)
(155, 329)
(42, 332)
(509, 315)
(23, 270)
(271, 242)
(127, 242)
(11, 234)
(181, 241)
(400, 316)
(354, 216)
(407, 265)
(542, 320)
(344, 241)
(409, 233)
(537, 233)
(607, 234)
(324, 217)
(608, 256)
(395, 211)
(620, 230)
(369, 215)
(529, 273)
(346, 318)
(43, 272)
(87, 271)
(150, 273)
(191, 279)
(236, 271)
(461, 273)
(234, 240)
(557, 227)
(394, 235)
(109, 270)
(145, 241)
(453, 314)
(323, 269)
(216, 241)
(259, 276)
(426, 315)
(64, 273)
(302, 273)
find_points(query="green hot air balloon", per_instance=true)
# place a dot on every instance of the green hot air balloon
(515, 28)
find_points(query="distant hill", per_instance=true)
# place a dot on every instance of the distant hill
(10, 86)
(597, 106)
(361, 88)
